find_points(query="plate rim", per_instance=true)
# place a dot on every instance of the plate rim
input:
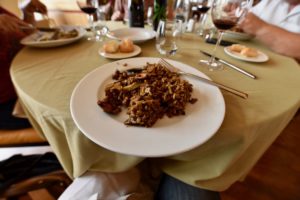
(221, 106)
(152, 33)
(229, 52)
(54, 43)
(237, 35)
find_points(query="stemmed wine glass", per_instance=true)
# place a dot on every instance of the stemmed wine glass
(225, 15)
(89, 7)
(202, 8)
(150, 16)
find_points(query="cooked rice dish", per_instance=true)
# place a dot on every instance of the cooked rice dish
(148, 93)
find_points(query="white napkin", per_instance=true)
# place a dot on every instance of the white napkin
(18, 110)
(108, 186)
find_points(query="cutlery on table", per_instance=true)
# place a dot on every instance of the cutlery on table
(230, 65)
(221, 86)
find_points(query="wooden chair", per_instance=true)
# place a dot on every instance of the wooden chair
(47, 187)
(22, 137)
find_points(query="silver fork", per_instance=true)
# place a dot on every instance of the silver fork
(166, 64)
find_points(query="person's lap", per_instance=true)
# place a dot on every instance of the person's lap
(8, 121)
(171, 188)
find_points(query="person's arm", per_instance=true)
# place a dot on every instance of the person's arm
(278, 39)
(13, 26)
(29, 7)
(118, 13)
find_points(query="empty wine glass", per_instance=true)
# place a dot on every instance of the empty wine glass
(168, 32)
(225, 15)
(89, 7)
(181, 12)
(150, 16)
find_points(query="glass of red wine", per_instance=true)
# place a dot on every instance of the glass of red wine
(225, 15)
(202, 8)
(89, 7)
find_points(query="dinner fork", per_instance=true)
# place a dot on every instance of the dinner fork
(166, 64)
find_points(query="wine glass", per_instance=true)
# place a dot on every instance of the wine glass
(181, 11)
(225, 15)
(89, 7)
(167, 34)
(150, 16)
(202, 8)
(100, 27)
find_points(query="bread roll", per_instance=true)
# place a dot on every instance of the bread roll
(237, 48)
(249, 52)
(126, 46)
(111, 47)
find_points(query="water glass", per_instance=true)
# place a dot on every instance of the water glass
(167, 35)
(100, 28)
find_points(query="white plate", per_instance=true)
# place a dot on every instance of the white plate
(137, 35)
(119, 55)
(32, 40)
(236, 35)
(168, 136)
(260, 58)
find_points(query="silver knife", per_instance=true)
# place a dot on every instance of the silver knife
(230, 65)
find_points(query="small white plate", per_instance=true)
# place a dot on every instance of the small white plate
(119, 55)
(32, 40)
(236, 35)
(137, 35)
(260, 58)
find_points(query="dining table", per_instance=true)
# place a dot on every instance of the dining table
(45, 78)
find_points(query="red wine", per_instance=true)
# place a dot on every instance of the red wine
(88, 9)
(199, 10)
(202, 9)
(224, 24)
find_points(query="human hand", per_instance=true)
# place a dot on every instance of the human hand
(34, 6)
(117, 15)
(230, 7)
(251, 24)
(13, 26)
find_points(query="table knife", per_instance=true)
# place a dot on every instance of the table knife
(231, 65)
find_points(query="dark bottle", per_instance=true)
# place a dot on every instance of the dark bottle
(160, 7)
(136, 13)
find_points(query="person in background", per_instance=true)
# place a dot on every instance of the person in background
(276, 24)
(120, 12)
(10, 36)
(106, 8)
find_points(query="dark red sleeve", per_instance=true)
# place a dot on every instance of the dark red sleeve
(9, 47)
(4, 11)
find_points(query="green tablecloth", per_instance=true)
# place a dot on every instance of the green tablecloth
(45, 79)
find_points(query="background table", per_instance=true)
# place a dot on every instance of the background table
(45, 79)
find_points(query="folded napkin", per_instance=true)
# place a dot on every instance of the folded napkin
(18, 110)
